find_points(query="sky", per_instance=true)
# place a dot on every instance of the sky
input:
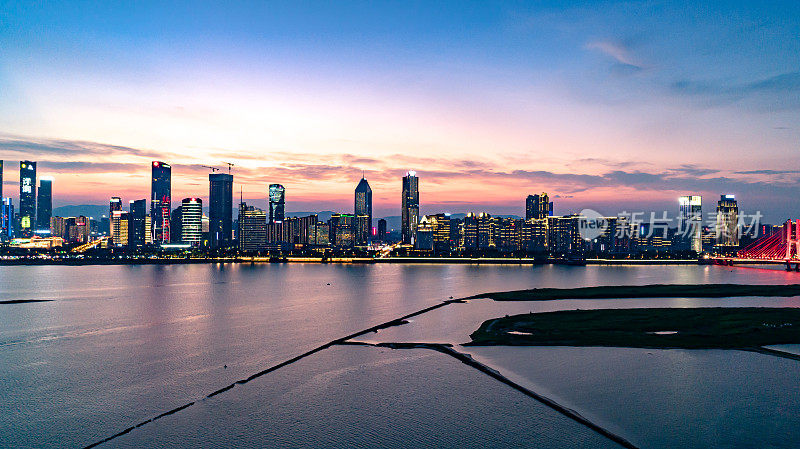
(614, 106)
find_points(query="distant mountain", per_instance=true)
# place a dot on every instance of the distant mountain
(86, 210)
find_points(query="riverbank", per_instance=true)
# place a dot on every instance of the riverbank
(692, 328)
(346, 260)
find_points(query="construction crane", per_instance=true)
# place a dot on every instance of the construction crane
(213, 169)
(230, 167)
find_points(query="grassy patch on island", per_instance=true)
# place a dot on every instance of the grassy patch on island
(699, 328)
(645, 291)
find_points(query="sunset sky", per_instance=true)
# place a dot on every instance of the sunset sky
(609, 105)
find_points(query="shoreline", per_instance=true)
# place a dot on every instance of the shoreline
(345, 260)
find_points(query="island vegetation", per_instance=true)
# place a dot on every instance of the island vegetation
(688, 328)
(645, 291)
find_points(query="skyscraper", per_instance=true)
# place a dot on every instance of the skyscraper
(220, 209)
(44, 203)
(252, 228)
(27, 197)
(410, 207)
(363, 207)
(690, 214)
(277, 203)
(6, 217)
(137, 214)
(1, 179)
(161, 201)
(538, 207)
(114, 205)
(382, 230)
(119, 228)
(192, 221)
(727, 223)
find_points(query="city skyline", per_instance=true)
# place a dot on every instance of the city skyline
(672, 99)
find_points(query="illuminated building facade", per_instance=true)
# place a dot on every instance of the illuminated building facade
(252, 228)
(6, 219)
(192, 221)
(277, 203)
(363, 207)
(161, 201)
(727, 229)
(690, 216)
(27, 197)
(538, 207)
(119, 228)
(410, 207)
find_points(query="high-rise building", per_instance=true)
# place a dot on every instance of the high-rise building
(690, 216)
(27, 197)
(6, 219)
(119, 228)
(114, 205)
(341, 230)
(192, 221)
(538, 207)
(439, 227)
(252, 228)
(410, 207)
(137, 216)
(1, 179)
(363, 206)
(44, 204)
(160, 201)
(382, 230)
(175, 229)
(220, 209)
(727, 223)
(277, 203)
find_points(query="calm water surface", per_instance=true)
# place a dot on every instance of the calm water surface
(121, 344)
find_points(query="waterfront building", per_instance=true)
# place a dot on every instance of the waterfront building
(508, 234)
(468, 235)
(119, 228)
(27, 198)
(727, 228)
(192, 221)
(363, 206)
(342, 230)
(277, 203)
(161, 201)
(690, 221)
(44, 204)
(78, 229)
(538, 207)
(1, 179)
(565, 239)
(137, 213)
(220, 209)
(175, 228)
(361, 230)
(410, 207)
(252, 228)
(6, 219)
(382, 237)
(534, 235)
(304, 225)
(319, 234)
(439, 227)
